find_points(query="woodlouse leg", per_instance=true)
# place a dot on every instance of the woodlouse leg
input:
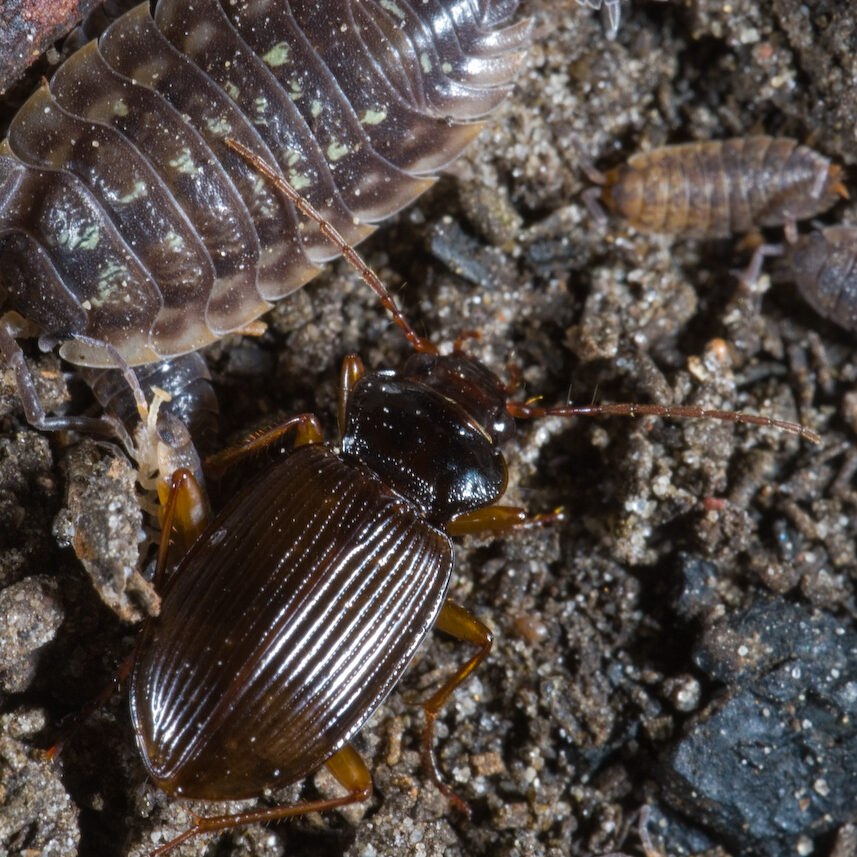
(463, 625)
(591, 198)
(499, 519)
(750, 274)
(585, 162)
(611, 14)
(307, 430)
(646, 841)
(345, 765)
(33, 410)
(790, 229)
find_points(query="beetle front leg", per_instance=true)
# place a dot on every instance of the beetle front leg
(185, 515)
(498, 520)
(345, 765)
(306, 430)
(463, 625)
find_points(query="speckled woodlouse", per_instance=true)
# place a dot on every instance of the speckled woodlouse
(296, 611)
(126, 222)
(719, 188)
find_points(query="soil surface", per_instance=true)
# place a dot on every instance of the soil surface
(613, 626)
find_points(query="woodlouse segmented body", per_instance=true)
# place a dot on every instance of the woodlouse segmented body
(823, 265)
(125, 220)
(721, 188)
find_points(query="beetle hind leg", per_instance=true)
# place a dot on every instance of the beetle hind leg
(345, 765)
(463, 625)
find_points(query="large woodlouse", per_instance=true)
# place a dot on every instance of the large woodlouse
(125, 221)
(719, 188)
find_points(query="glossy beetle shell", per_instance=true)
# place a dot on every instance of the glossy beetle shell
(823, 265)
(125, 219)
(284, 628)
(720, 188)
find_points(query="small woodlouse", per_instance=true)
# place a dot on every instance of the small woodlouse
(124, 220)
(166, 414)
(719, 188)
(823, 266)
(299, 607)
(185, 379)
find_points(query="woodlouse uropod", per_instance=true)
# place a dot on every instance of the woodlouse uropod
(127, 225)
(719, 188)
(296, 611)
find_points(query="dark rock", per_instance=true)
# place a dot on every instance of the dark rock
(771, 763)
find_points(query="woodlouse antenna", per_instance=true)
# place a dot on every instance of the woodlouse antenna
(327, 229)
(524, 410)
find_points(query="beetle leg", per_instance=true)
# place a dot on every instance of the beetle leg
(352, 371)
(498, 519)
(78, 719)
(307, 430)
(346, 765)
(186, 514)
(463, 625)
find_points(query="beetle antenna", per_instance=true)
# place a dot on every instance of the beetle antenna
(516, 409)
(329, 231)
(524, 410)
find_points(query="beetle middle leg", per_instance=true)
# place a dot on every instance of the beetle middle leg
(463, 625)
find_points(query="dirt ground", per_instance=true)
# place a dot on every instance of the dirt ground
(567, 730)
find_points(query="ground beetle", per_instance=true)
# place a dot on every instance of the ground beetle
(296, 611)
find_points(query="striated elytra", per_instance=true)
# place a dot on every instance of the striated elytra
(297, 610)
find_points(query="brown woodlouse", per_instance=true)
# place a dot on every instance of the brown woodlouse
(716, 189)
(126, 222)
